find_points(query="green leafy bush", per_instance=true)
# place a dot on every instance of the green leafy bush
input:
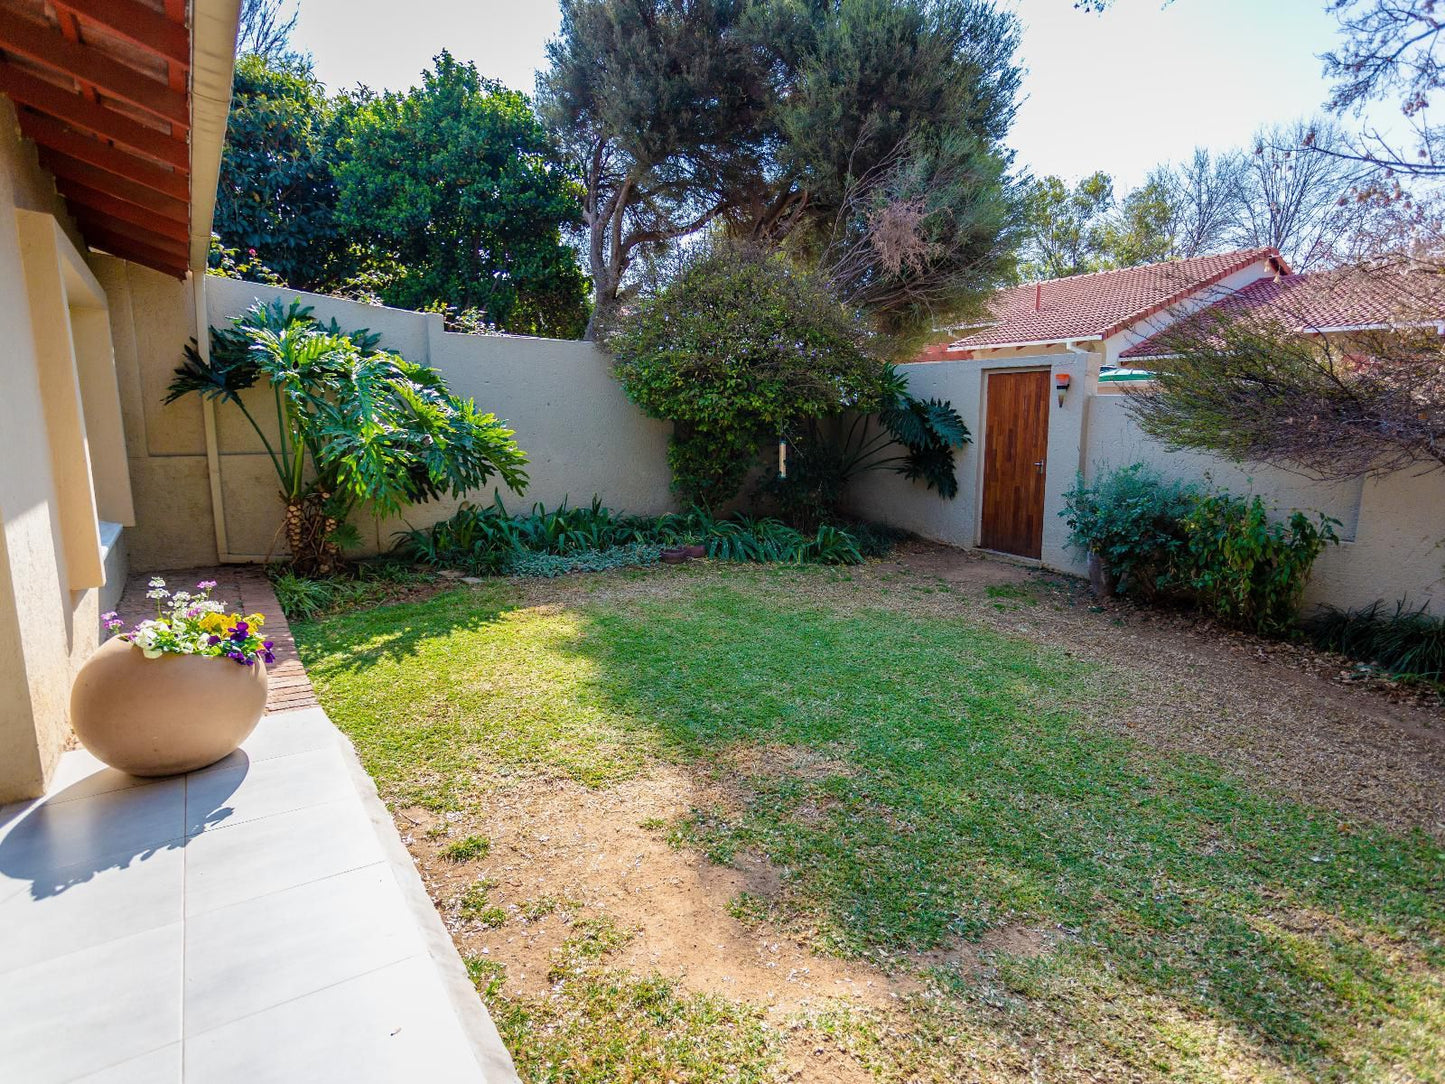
(891, 430)
(355, 424)
(1407, 642)
(1247, 569)
(1217, 551)
(736, 349)
(1134, 520)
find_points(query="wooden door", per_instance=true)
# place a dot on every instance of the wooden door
(1016, 441)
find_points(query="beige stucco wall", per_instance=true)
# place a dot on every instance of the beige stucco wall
(50, 582)
(1392, 528)
(887, 497)
(152, 316)
(580, 433)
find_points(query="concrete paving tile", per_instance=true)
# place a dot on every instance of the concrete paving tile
(397, 1025)
(276, 853)
(255, 954)
(100, 906)
(94, 1009)
(53, 847)
(223, 799)
(161, 1066)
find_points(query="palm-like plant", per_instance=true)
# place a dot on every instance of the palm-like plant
(892, 430)
(355, 424)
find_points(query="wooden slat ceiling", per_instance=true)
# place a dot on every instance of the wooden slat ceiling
(101, 86)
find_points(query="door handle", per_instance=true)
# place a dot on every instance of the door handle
(1039, 466)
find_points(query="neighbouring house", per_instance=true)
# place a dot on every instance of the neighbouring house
(1040, 387)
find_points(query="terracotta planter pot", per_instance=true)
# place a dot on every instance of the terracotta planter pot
(164, 716)
(695, 549)
(675, 556)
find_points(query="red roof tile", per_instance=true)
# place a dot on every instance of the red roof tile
(1321, 301)
(1101, 304)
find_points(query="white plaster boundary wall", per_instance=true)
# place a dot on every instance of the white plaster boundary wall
(1391, 528)
(579, 431)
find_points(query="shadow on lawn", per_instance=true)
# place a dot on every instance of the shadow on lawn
(977, 799)
(974, 798)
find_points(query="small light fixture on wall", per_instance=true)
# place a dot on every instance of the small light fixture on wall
(782, 458)
(1061, 385)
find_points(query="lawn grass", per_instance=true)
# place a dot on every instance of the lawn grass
(1197, 928)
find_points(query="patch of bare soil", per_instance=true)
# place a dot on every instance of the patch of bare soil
(556, 844)
(1281, 716)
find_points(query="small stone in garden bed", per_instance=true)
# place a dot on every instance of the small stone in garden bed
(473, 579)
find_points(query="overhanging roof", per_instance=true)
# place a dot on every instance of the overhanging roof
(126, 101)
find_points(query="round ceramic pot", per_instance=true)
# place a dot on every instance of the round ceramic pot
(675, 556)
(694, 550)
(164, 716)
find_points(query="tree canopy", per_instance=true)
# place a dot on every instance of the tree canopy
(445, 197)
(489, 236)
(864, 134)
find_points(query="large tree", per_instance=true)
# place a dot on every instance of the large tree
(843, 127)
(1065, 227)
(276, 194)
(1297, 197)
(452, 188)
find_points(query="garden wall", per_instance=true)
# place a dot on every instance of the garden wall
(581, 434)
(1391, 528)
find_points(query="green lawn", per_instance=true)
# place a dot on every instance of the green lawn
(1198, 929)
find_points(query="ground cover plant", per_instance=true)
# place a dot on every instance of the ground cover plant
(491, 540)
(906, 786)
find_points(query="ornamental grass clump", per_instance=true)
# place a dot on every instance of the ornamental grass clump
(193, 623)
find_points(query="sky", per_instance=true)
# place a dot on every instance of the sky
(1145, 82)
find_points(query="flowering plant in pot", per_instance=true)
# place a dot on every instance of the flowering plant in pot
(177, 691)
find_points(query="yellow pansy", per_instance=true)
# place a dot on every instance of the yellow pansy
(214, 623)
(255, 620)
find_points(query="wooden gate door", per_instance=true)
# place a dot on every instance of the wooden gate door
(1016, 441)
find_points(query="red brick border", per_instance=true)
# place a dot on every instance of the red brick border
(246, 589)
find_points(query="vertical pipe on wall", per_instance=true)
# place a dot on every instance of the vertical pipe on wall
(208, 412)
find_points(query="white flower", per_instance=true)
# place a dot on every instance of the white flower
(156, 581)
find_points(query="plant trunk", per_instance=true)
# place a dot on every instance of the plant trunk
(308, 535)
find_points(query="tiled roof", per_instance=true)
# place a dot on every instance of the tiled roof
(1321, 301)
(1101, 304)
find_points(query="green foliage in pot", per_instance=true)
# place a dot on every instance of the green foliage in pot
(737, 348)
(354, 424)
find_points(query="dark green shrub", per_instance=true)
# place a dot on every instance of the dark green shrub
(1134, 520)
(1409, 643)
(550, 565)
(1217, 551)
(739, 347)
(892, 430)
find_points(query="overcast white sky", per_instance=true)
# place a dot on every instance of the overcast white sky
(1119, 92)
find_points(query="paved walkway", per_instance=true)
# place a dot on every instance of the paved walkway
(257, 921)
